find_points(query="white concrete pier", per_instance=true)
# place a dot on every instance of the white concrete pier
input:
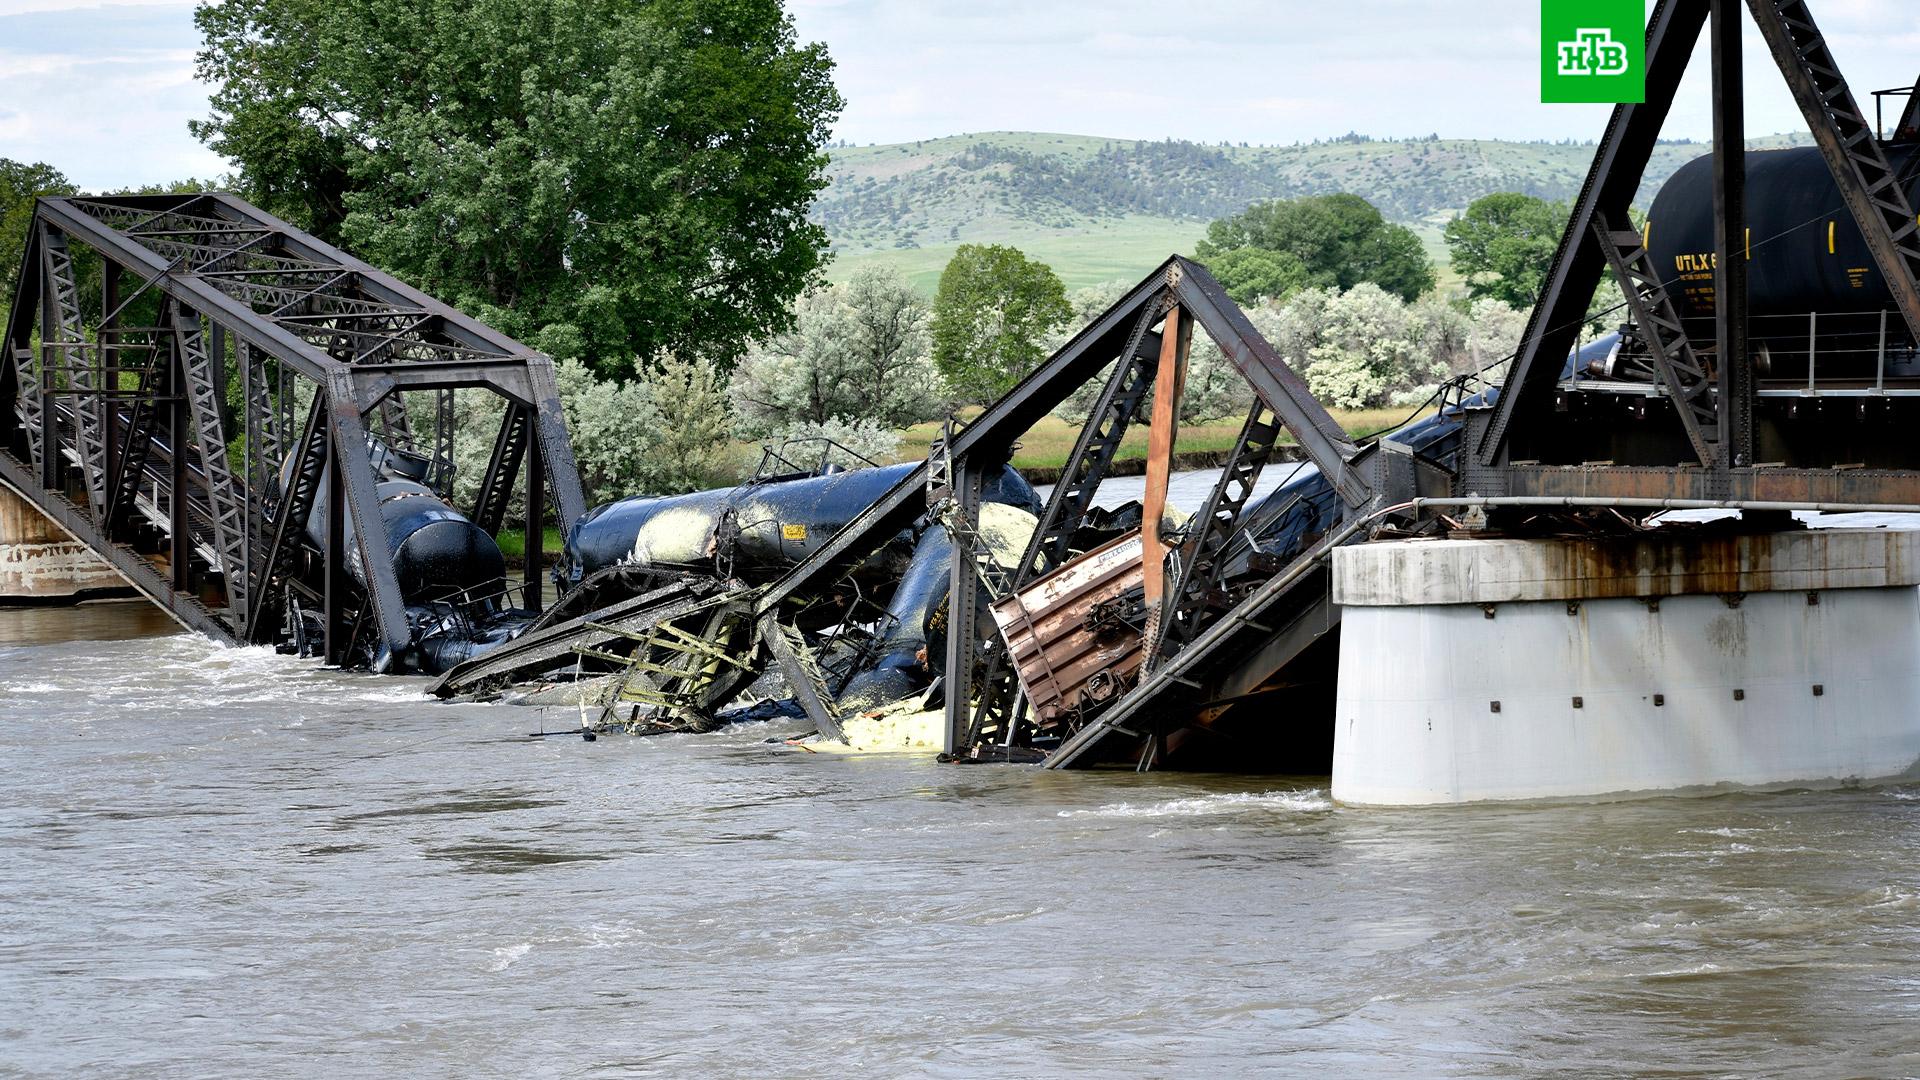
(1518, 669)
(39, 564)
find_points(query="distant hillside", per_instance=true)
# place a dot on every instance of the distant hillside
(1098, 209)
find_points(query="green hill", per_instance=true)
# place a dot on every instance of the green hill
(1098, 209)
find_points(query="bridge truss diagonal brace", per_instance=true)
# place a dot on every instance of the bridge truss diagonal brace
(17, 379)
(1619, 162)
(1867, 182)
(804, 676)
(65, 350)
(1679, 369)
(204, 384)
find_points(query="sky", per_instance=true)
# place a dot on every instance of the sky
(104, 93)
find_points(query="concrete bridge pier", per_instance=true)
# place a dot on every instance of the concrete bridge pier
(39, 564)
(1676, 661)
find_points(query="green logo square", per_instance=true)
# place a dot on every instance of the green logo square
(1593, 51)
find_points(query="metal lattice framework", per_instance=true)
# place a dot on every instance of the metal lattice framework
(1718, 437)
(225, 388)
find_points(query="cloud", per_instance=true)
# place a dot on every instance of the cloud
(30, 7)
(1264, 72)
(104, 91)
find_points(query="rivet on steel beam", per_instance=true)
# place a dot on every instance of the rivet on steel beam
(1493, 706)
(1579, 702)
(1739, 694)
(1659, 699)
(1818, 689)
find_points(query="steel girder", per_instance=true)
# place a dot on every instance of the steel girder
(139, 415)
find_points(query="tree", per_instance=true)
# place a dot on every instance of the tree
(636, 175)
(663, 434)
(20, 184)
(611, 424)
(692, 449)
(1503, 245)
(1369, 347)
(1259, 274)
(851, 444)
(857, 351)
(1365, 347)
(992, 316)
(1274, 248)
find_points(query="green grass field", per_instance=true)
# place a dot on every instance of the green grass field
(513, 542)
(1051, 440)
(1123, 249)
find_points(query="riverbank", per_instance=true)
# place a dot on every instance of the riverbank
(1049, 443)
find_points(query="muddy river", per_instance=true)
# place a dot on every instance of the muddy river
(222, 862)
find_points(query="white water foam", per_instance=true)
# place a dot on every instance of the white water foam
(504, 957)
(1309, 801)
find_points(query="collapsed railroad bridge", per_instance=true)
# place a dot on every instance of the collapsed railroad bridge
(1457, 609)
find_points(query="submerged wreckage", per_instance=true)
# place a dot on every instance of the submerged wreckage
(1056, 629)
(1490, 565)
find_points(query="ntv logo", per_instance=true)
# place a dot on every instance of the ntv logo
(1592, 52)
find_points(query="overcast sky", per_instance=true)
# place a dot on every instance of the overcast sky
(105, 92)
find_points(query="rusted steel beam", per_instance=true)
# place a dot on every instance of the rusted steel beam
(1826, 486)
(1169, 378)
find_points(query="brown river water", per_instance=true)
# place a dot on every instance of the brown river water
(227, 863)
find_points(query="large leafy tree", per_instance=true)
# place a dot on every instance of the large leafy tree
(1503, 245)
(993, 315)
(1273, 248)
(20, 184)
(608, 178)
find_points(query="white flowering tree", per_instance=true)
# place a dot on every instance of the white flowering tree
(858, 351)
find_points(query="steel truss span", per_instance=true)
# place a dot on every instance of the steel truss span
(1713, 418)
(193, 388)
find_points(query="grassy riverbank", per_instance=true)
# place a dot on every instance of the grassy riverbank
(1051, 440)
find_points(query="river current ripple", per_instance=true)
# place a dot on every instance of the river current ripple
(223, 862)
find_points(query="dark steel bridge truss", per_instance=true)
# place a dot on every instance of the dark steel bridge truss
(190, 420)
(1716, 447)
